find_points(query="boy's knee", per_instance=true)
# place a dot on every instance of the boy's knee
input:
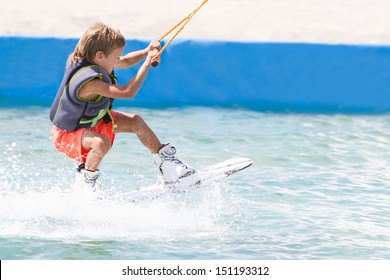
(138, 119)
(102, 143)
(139, 123)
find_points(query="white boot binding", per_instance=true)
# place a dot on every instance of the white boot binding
(89, 179)
(170, 168)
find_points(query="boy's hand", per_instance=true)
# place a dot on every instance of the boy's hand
(154, 45)
(152, 50)
(151, 54)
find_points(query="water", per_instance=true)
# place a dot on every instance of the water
(318, 189)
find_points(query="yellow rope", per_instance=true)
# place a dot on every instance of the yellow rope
(183, 22)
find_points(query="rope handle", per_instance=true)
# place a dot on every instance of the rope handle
(156, 59)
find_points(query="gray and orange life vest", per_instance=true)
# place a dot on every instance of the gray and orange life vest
(68, 111)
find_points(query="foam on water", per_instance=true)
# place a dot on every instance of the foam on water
(41, 203)
(74, 215)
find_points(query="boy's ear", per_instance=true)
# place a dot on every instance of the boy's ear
(99, 55)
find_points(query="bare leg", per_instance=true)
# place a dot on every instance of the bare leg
(169, 167)
(98, 145)
(135, 124)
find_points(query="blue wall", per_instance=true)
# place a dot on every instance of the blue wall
(260, 76)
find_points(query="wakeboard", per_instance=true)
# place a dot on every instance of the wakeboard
(200, 178)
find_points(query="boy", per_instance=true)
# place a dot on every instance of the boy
(84, 124)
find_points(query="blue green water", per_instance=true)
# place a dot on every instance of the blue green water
(319, 188)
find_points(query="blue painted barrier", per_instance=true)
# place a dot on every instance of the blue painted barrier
(254, 75)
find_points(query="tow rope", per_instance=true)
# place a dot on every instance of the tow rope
(180, 25)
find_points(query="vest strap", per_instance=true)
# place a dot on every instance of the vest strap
(96, 119)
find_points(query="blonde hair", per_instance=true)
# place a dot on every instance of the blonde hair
(99, 37)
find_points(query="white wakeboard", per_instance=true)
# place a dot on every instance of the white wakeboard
(200, 177)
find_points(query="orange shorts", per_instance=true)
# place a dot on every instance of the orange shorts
(70, 143)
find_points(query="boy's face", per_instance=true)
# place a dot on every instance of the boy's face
(109, 62)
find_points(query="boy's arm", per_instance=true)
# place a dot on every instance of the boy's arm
(91, 90)
(133, 58)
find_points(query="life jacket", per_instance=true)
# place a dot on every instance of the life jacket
(68, 111)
